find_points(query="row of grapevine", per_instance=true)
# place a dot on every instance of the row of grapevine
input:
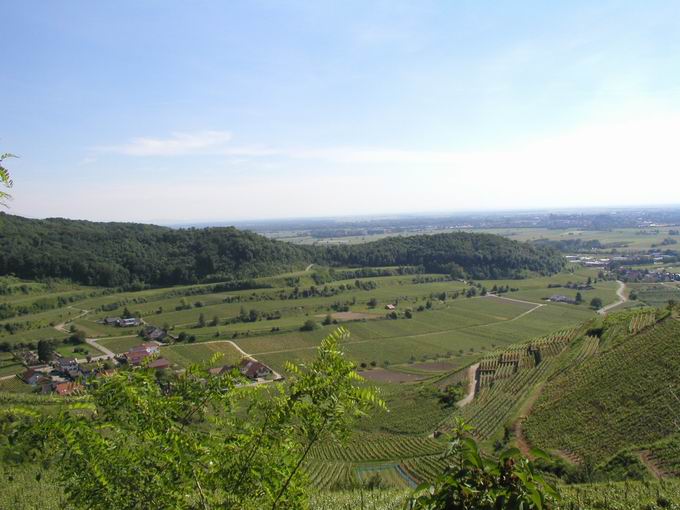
(621, 398)
(641, 321)
(331, 475)
(424, 469)
(377, 448)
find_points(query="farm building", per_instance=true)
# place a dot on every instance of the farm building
(390, 307)
(253, 369)
(33, 377)
(559, 298)
(130, 322)
(159, 364)
(66, 388)
(155, 333)
(139, 353)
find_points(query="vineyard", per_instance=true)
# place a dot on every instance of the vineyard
(646, 495)
(621, 398)
(504, 378)
(666, 455)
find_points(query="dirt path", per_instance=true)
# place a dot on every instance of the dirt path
(536, 306)
(621, 293)
(649, 462)
(62, 326)
(308, 268)
(472, 384)
(522, 443)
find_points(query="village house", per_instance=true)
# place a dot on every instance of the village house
(253, 369)
(390, 307)
(139, 353)
(155, 333)
(34, 377)
(66, 388)
(130, 322)
(110, 321)
(159, 364)
(68, 366)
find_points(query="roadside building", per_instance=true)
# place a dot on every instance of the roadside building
(253, 369)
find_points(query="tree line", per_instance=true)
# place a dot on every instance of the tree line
(131, 255)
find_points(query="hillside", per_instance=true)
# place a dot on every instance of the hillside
(121, 254)
(620, 398)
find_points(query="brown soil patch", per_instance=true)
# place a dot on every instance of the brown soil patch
(351, 316)
(382, 375)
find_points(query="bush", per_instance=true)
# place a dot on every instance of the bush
(471, 481)
(309, 325)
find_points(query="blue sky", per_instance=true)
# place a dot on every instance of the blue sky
(195, 111)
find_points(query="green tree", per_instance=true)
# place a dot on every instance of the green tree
(328, 320)
(596, 303)
(201, 320)
(5, 179)
(215, 321)
(309, 325)
(579, 298)
(472, 482)
(112, 455)
(78, 337)
(45, 351)
(126, 313)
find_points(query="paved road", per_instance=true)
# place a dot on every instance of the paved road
(621, 292)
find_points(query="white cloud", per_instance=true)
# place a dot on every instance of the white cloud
(176, 145)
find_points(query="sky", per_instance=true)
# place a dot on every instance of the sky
(185, 111)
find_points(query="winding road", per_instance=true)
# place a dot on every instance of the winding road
(621, 293)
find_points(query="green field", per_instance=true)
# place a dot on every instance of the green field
(446, 332)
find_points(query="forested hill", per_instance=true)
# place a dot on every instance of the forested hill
(120, 254)
(456, 253)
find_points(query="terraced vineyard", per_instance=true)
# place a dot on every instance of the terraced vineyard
(505, 377)
(641, 321)
(621, 398)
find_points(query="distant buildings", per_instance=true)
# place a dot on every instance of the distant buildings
(559, 298)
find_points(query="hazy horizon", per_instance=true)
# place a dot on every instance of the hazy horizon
(165, 112)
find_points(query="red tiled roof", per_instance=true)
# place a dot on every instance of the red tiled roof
(67, 388)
